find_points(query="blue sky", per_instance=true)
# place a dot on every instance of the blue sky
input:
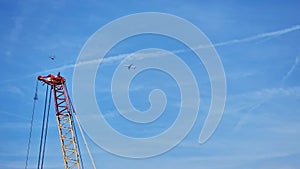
(257, 41)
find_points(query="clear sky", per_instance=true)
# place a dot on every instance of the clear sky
(257, 42)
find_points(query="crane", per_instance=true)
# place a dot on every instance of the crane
(65, 113)
(64, 120)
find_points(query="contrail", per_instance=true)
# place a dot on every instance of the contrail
(68, 66)
(121, 56)
(291, 69)
(94, 61)
(260, 36)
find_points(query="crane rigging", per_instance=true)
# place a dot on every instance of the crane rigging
(65, 114)
(64, 120)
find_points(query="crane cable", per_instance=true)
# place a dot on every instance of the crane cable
(44, 130)
(84, 140)
(79, 150)
(43, 124)
(81, 131)
(31, 123)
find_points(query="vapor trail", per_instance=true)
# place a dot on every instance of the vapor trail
(121, 56)
(260, 36)
(291, 69)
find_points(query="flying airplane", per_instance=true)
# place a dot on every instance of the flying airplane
(52, 57)
(131, 66)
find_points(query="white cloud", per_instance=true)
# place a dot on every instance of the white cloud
(271, 92)
(13, 90)
(246, 104)
(239, 75)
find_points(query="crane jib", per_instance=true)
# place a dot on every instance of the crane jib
(64, 119)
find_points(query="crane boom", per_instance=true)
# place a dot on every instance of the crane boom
(64, 120)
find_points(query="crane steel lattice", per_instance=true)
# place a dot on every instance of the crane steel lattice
(64, 120)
